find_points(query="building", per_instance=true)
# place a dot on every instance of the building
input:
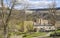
(42, 19)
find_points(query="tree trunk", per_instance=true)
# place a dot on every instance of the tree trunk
(6, 31)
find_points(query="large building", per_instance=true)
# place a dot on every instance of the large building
(42, 18)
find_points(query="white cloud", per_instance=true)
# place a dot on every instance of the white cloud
(35, 4)
(39, 4)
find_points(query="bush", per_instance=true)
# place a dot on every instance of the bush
(57, 33)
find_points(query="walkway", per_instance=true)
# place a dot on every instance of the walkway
(48, 34)
(20, 36)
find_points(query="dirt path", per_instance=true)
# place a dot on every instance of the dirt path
(48, 34)
(15, 36)
(20, 36)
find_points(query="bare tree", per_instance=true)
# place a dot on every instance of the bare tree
(52, 12)
(5, 20)
(26, 5)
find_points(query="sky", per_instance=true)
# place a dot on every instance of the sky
(43, 3)
(35, 4)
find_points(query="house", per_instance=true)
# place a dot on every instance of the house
(42, 19)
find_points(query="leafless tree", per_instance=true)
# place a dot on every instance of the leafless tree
(5, 19)
(52, 12)
(26, 5)
(10, 6)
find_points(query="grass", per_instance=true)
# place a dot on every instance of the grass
(57, 31)
(35, 34)
(38, 34)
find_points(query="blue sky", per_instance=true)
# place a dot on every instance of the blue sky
(46, 1)
(38, 3)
